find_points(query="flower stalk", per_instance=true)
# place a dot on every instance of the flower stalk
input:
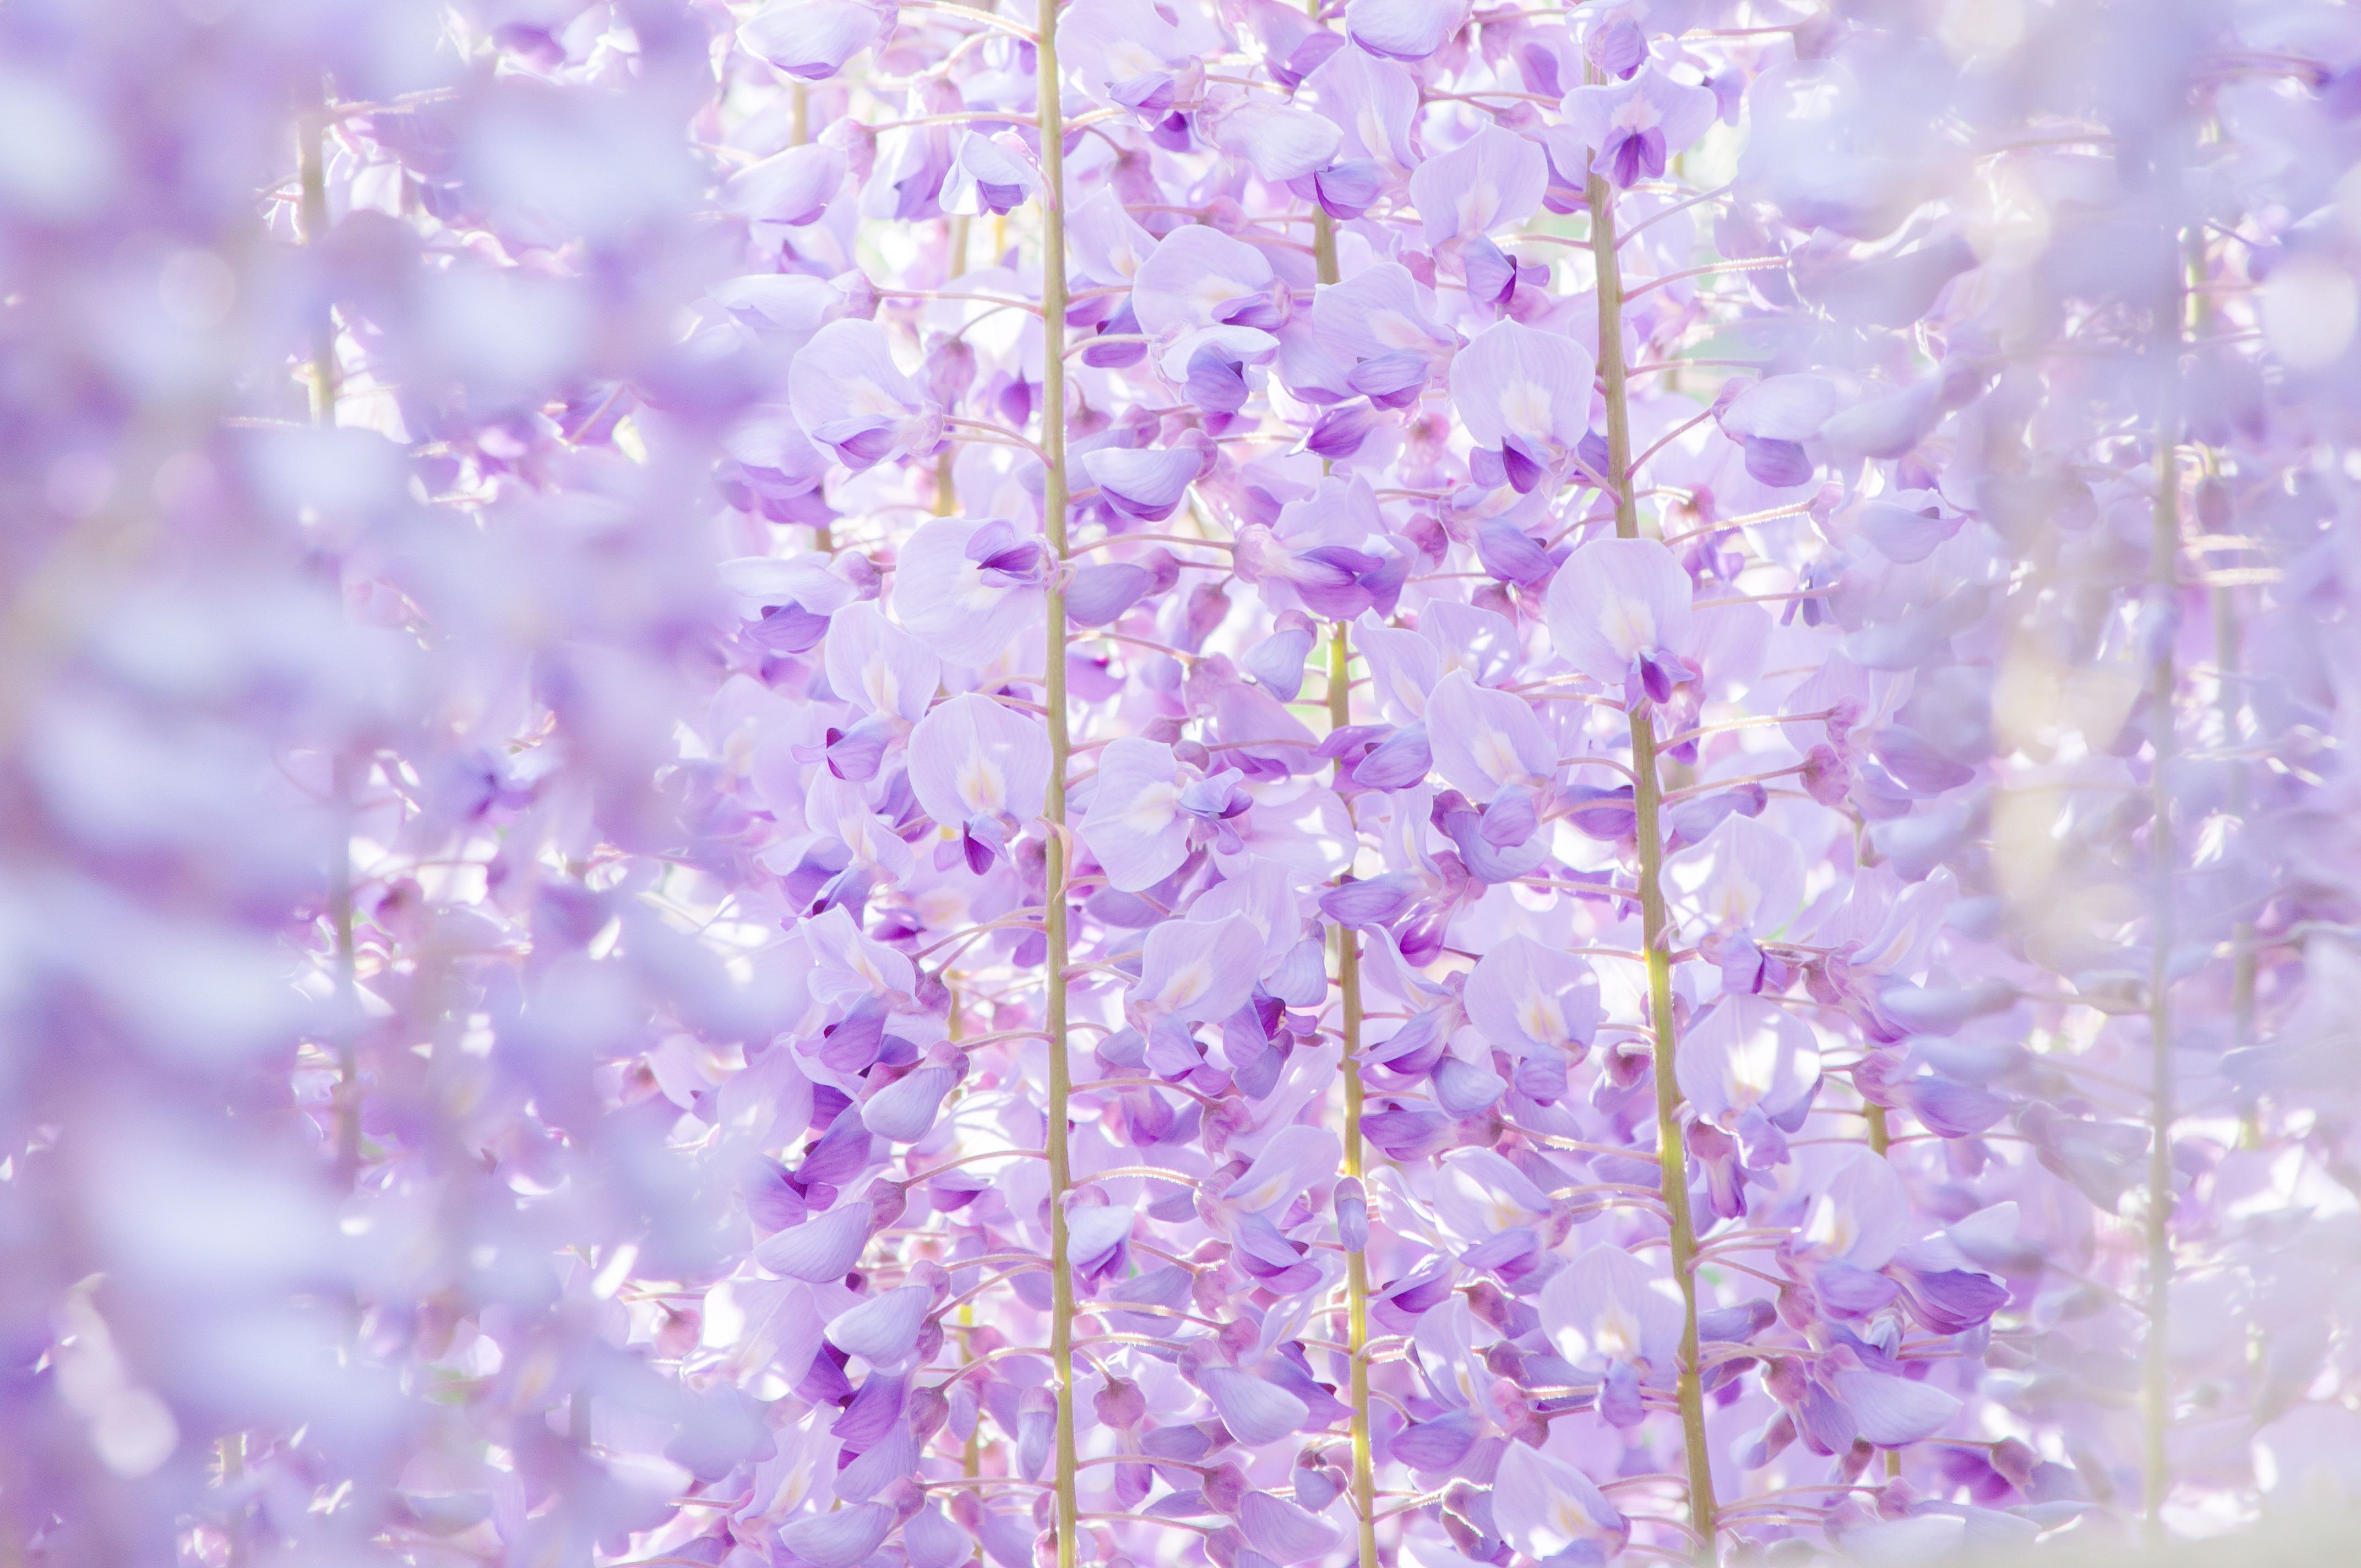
(1356, 1262)
(1655, 926)
(1057, 866)
(1348, 987)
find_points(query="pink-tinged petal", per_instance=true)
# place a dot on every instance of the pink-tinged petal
(1746, 876)
(930, 1541)
(822, 1248)
(1254, 1409)
(884, 1329)
(1492, 180)
(792, 187)
(1611, 1305)
(1544, 1507)
(1134, 826)
(1404, 29)
(1282, 1531)
(1198, 278)
(1516, 380)
(974, 757)
(1860, 1214)
(1296, 1159)
(966, 613)
(904, 1110)
(1747, 1054)
(1528, 998)
(840, 1538)
(811, 39)
(1782, 408)
(1197, 971)
(1614, 600)
(1280, 141)
(1891, 1411)
(1484, 741)
(872, 661)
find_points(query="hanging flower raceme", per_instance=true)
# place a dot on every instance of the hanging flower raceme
(861, 716)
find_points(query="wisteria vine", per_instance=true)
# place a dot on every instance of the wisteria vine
(836, 783)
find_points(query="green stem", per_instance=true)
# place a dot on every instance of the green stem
(1053, 520)
(1654, 922)
(312, 176)
(955, 266)
(1348, 986)
(1881, 1138)
(1356, 1263)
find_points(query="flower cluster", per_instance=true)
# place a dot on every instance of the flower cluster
(867, 783)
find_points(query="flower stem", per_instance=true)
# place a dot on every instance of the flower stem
(1356, 1262)
(954, 267)
(1881, 1138)
(1647, 798)
(1053, 521)
(1348, 986)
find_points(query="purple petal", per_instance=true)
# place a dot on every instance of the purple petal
(812, 40)
(1404, 29)
(820, 1249)
(1348, 189)
(1148, 483)
(1510, 553)
(884, 1329)
(1100, 594)
(1890, 1410)
(1281, 1531)
(1254, 1410)
(904, 1110)
(1399, 761)
(1778, 464)
(1436, 1444)
(841, 1537)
